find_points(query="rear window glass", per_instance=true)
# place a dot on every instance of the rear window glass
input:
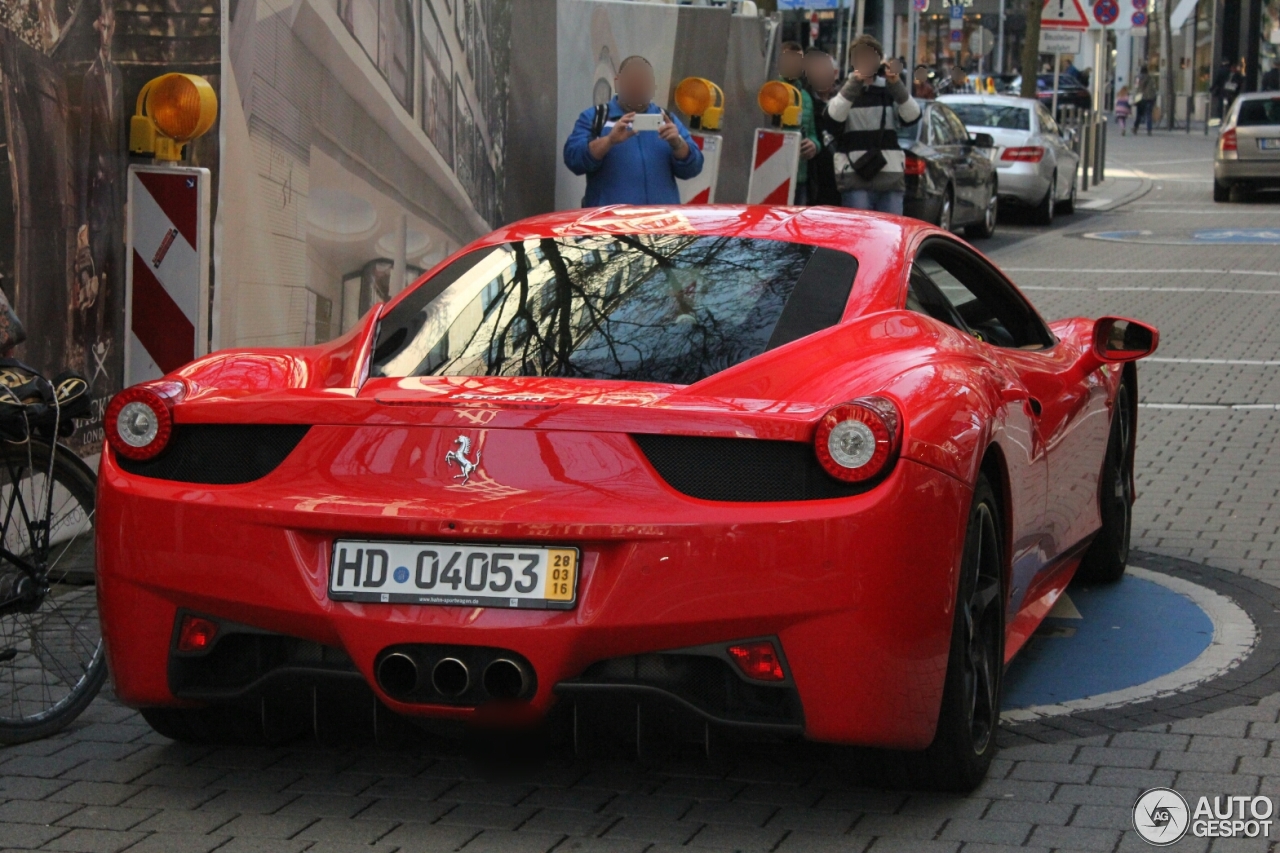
(993, 115)
(1259, 111)
(653, 308)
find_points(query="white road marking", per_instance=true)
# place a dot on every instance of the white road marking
(1139, 288)
(1215, 407)
(1234, 637)
(1114, 271)
(1064, 608)
(1248, 362)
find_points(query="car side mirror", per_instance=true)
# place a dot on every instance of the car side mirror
(983, 140)
(1117, 340)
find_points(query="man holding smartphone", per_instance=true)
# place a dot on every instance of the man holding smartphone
(873, 103)
(630, 149)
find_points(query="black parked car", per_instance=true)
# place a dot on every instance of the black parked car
(950, 178)
(1071, 92)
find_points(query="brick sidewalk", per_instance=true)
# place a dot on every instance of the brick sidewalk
(1208, 480)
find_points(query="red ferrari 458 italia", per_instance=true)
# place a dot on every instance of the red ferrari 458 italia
(810, 472)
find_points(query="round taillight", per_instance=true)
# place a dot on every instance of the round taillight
(138, 423)
(858, 440)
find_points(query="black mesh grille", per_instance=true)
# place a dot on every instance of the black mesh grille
(742, 469)
(220, 454)
(705, 682)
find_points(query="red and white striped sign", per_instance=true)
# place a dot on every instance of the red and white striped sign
(702, 189)
(167, 288)
(775, 156)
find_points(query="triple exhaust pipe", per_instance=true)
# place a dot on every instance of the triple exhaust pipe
(501, 677)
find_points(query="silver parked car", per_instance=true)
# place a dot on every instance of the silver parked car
(1034, 158)
(1248, 145)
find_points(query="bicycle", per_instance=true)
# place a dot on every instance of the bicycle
(52, 659)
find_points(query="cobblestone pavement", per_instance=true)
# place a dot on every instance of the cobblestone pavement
(1209, 470)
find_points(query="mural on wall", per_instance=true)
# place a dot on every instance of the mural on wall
(373, 135)
(69, 73)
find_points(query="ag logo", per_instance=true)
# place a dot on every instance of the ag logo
(1160, 816)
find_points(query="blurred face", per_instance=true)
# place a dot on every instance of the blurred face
(866, 61)
(820, 71)
(921, 75)
(791, 64)
(957, 75)
(635, 84)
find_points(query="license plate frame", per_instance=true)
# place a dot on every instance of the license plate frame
(404, 567)
(1269, 144)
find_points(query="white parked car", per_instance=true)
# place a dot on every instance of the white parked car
(1248, 145)
(1033, 156)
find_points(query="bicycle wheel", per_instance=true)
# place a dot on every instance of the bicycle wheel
(52, 659)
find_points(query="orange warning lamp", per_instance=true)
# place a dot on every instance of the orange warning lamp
(702, 101)
(172, 110)
(782, 101)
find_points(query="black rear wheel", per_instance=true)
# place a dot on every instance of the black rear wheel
(1221, 191)
(987, 227)
(1108, 554)
(1043, 212)
(52, 661)
(965, 742)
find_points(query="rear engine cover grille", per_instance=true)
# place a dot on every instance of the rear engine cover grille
(742, 469)
(220, 454)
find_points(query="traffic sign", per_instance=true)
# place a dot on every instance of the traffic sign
(1060, 41)
(1105, 12)
(1140, 5)
(922, 5)
(1139, 19)
(957, 13)
(1063, 15)
(813, 28)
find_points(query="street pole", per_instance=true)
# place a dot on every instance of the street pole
(1057, 63)
(862, 16)
(913, 38)
(1000, 41)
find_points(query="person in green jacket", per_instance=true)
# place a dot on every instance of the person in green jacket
(791, 70)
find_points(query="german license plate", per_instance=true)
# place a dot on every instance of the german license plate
(1269, 144)
(454, 574)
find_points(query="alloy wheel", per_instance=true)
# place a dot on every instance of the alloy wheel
(982, 657)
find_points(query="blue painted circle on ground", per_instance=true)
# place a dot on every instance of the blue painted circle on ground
(1237, 235)
(401, 574)
(1130, 632)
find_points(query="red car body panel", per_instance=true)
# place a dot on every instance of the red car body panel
(860, 590)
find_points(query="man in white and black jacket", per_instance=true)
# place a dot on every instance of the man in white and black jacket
(873, 103)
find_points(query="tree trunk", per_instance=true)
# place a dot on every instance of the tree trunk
(1031, 49)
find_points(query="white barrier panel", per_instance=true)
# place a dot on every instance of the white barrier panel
(702, 189)
(775, 156)
(167, 271)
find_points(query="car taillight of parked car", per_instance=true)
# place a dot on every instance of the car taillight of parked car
(913, 165)
(1028, 154)
(1228, 141)
(139, 420)
(858, 441)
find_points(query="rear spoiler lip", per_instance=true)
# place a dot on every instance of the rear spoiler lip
(781, 421)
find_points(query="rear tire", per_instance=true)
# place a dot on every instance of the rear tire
(946, 212)
(1221, 191)
(965, 742)
(1108, 554)
(987, 227)
(1068, 207)
(1043, 212)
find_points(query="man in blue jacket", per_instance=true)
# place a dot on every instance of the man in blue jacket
(623, 165)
